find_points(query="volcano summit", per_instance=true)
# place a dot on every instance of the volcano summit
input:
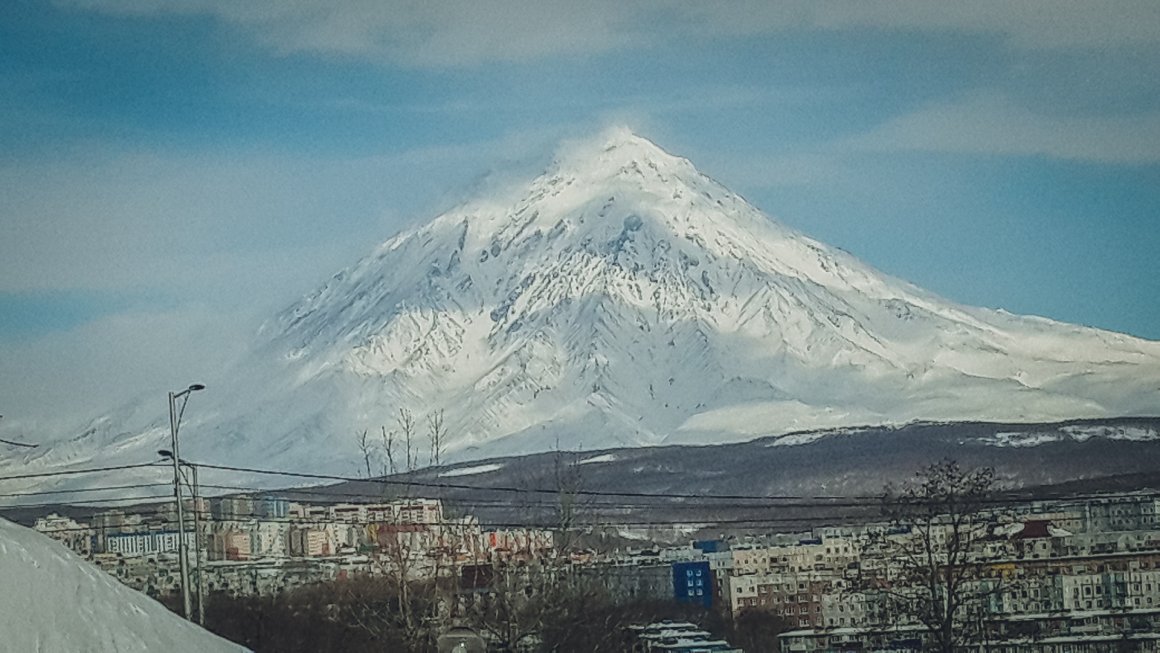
(622, 298)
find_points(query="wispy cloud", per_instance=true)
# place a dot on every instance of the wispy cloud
(994, 124)
(183, 255)
(413, 33)
(114, 219)
(51, 382)
(1048, 24)
(466, 33)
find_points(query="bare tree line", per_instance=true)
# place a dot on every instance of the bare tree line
(399, 449)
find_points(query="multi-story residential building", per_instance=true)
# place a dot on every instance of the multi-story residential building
(146, 544)
(518, 542)
(79, 537)
(845, 609)
(404, 511)
(310, 542)
(112, 522)
(1134, 513)
(269, 539)
(1054, 591)
(230, 545)
(693, 583)
(807, 554)
(795, 596)
(266, 538)
(272, 507)
(167, 512)
(234, 508)
(632, 582)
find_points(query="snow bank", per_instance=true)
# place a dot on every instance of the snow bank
(54, 601)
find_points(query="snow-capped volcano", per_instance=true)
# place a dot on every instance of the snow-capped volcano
(623, 298)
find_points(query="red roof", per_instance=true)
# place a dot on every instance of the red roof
(1033, 529)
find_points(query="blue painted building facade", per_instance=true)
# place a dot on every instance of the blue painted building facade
(693, 583)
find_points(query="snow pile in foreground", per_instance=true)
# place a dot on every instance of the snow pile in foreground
(55, 601)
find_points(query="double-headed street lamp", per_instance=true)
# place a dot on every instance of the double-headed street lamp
(174, 423)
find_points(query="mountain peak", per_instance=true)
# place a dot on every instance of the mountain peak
(623, 298)
(612, 151)
(621, 137)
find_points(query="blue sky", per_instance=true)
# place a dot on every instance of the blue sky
(173, 172)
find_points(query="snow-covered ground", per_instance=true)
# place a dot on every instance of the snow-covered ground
(54, 602)
(471, 471)
(1033, 438)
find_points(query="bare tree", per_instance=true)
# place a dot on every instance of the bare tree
(365, 448)
(934, 558)
(531, 593)
(511, 608)
(398, 547)
(546, 602)
(568, 480)
(389, 448)
(436, 434)
(406, 424)
(755, 630)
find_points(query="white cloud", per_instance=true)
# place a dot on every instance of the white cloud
(465, 33)
(792, 169)
(215, 242)
(993, 124)
(413, 32)
(1025, 23)
(62, 378)
(114, 220)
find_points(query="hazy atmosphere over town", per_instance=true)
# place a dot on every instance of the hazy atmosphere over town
(501, 320)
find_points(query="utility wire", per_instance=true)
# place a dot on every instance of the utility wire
(105, 488)
(85, 502)
(829, 500)
(768, 501)
(73, 472)
(543, 525)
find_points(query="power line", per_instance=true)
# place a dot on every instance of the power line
(774, 501)
(814, 500)
(499, 488)
(80, 502)
(660, 501)
(73, 472)
(105, 488)
(587, 519)
(533, 525)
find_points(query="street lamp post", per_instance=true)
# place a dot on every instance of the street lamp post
(174, 423)
(165, 453)
(197, 549)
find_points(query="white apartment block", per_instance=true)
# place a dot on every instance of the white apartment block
(144, 544)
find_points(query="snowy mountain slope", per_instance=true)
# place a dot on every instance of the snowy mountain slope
(624, 286)
(54, 601)
(622, 298)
